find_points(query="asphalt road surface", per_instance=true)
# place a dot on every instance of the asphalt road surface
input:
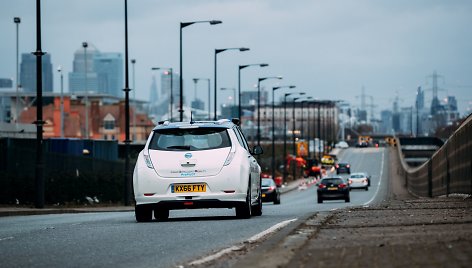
(115, 239)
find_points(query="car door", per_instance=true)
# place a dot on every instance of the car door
(254, 166)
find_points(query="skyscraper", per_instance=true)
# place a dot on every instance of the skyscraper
(104, 72)
(79, 79)
(28, 73)
(109, 69)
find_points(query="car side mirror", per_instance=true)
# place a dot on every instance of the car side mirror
(257, 150)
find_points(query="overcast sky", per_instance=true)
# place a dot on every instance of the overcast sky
(329, 49)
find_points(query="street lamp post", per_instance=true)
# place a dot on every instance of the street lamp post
(59, 69)
(319, 131)
(127, 141)
(171, 72)
(285, 131)
(39, 169)
(302, 102)
(259, 105)
(17, 21)
(273, 126)
(208, 80)
(85, 45)
(217, 51)
(294, 150)
(133, 61)
(183, 25)
(239, 85)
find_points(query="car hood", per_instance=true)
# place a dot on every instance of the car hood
(183, 164)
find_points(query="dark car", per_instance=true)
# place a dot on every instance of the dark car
(270, 191)
(343, 168)
(332, 188)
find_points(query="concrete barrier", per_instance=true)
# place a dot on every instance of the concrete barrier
(448, 171)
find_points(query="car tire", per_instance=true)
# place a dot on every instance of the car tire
(161, 214)
(243, 211)
(257, 209)
(347, 199)
(367, 188)
(368, 183)
(277, 199)
(320, 200)
(142, 213)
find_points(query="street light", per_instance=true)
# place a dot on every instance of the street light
(217, 51)
(239, 84)
(285, 130)
(85, 45)
(293, 137)
(259, 104)
(171, 72)
(17, 21)
(234, 95)
(59, 69)
(195, 80)
(302, 102)
(133, 61)
(127, 141)
(39, 169)
(273, 127)
(183, 25)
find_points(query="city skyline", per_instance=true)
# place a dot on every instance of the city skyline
(328, 49)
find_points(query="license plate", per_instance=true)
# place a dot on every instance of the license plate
(332, 188)
(188, 188)
(263, 195)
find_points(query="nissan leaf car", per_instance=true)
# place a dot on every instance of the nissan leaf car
(191, 165)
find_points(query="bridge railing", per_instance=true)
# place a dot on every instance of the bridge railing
(448, 171)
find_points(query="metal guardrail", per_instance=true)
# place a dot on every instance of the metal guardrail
(448, 171)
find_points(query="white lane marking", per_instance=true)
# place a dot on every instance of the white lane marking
(272, 229)
(380, 179)
(6, 238)
(253, 239)
(216, 255)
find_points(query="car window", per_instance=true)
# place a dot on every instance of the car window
(243, 139)
(194, 139)
(332, 181)
(267, 182)
(238, 136)
(357, 176)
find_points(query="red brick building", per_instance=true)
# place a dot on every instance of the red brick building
(106, 120)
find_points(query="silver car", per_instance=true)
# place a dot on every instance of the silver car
(358, 181)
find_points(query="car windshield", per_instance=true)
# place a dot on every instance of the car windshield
(267, 182)
(194, 139)
(329, 181)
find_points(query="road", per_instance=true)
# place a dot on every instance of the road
(115, 239)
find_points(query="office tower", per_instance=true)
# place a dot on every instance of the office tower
(79, 80)
(109, 70)
(28, 73)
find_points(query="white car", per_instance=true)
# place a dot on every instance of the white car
(358, 180)
(342, 145)
(188, 165)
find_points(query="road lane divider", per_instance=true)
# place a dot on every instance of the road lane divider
(380, 180)
(251, 240)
